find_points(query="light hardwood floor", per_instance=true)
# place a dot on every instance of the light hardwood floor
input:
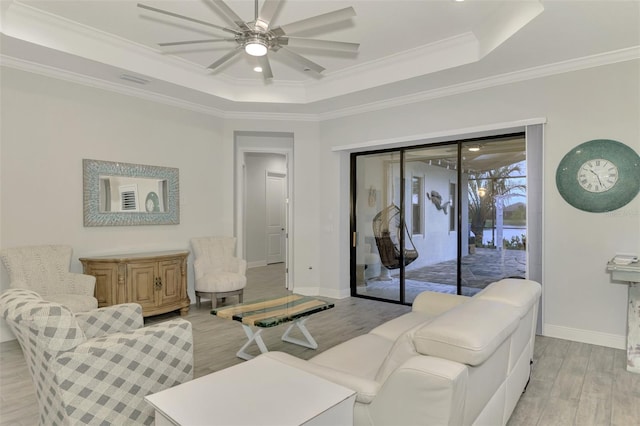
(572, 383)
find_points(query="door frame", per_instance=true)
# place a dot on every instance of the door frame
(240, 202)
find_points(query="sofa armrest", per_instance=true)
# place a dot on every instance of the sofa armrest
(424, 390)
(432, 303)
(111, 319)
(105, 380)
(366, 389)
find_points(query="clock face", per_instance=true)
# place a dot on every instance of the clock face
(152, 203)
(597, 175)
(600, 175)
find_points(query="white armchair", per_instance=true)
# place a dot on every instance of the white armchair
(218, 272)
(96, 367)
(45, 270)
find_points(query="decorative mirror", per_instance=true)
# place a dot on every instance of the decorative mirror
(120, 194)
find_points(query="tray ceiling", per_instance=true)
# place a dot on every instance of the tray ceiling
(406, 47)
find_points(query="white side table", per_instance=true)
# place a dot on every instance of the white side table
(631, 274)
(262, 391)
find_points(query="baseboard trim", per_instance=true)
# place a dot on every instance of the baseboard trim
(322, 292)
(256, 264)
(585, 336)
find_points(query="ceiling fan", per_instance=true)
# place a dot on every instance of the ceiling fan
(258, 38)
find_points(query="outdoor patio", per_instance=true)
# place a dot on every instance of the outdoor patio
(478, 270)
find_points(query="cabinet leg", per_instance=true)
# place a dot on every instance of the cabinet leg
(184, 311)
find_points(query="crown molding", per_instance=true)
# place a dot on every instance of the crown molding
(467, 132)
(622, 55)
(97, 83)
(68, 36)
(72, 77)
(32, 25)
(433, 57)
(613, 57)
(271, 116)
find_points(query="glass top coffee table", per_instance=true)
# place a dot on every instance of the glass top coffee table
(267, 313)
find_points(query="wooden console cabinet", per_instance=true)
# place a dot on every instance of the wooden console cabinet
(157, 281)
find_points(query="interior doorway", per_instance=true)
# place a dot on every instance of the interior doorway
(276, 217)
(263, 199)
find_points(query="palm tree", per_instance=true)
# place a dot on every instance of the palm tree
(485, 187)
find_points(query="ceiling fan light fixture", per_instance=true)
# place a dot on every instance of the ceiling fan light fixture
(256, 47)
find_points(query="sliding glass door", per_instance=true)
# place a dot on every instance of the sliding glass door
(446, 217)
(376, 216)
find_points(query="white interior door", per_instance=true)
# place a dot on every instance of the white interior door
(276, 203)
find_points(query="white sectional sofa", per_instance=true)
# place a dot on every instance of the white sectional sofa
(452, 360)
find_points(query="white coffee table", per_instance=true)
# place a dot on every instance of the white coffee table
(262, 391)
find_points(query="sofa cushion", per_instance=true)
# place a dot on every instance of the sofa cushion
(361, 356)
(466, 333)
(521, 294)
(403, 349)
(398, 326)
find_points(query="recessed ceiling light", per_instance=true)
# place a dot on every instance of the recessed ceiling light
(474, 148)
(257, 69)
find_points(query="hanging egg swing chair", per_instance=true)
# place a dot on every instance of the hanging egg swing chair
(386, 230)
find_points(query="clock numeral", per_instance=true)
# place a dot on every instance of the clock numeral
(597, 162)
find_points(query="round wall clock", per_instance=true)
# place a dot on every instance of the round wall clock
(599, 175)
(152, 204)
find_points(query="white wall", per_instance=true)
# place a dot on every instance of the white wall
(581, 302)
(304, 170)
(49, 126)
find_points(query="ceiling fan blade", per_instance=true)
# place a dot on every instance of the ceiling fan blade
(301, 59)
(269, 8)
(179, 43)
(266, 67)
(225, 58)
(315, 21)
(197, 21)
(230, 14)
(318, 44)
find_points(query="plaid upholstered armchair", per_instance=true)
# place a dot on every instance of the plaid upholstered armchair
(45, 270)
(96, 367)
